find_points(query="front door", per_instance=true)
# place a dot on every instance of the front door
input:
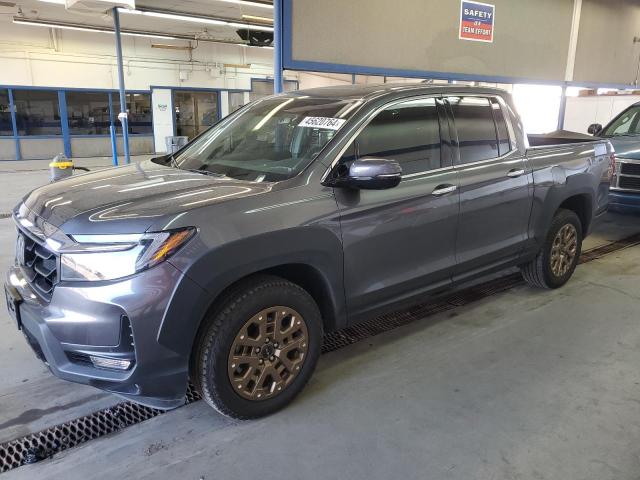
(400, 242)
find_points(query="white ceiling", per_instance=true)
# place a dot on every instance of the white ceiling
(38, 10)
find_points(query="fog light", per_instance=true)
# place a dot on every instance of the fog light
(114, 363)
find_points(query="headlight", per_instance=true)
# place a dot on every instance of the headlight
(108, 257)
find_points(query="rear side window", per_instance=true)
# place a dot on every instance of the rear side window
(408, 132)
(504, 144)
(477, 136)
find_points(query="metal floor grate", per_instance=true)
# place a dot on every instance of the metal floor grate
(46, 443)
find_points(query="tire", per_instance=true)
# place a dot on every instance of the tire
(284, 369)
(540, 271)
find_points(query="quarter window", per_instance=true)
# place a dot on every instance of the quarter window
(477, 136)
(407, 132)
(504, 144)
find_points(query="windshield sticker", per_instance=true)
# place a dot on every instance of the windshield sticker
(322, 122)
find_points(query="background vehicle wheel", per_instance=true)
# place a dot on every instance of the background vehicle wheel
(558, 257)
(258, 348)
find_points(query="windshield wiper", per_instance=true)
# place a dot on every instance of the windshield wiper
(206, 172)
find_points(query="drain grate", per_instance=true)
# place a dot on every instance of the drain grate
(601, 251)
(46, 443)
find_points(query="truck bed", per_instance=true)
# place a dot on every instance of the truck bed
(559, 137)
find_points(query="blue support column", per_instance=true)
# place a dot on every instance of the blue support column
(112, 132)
(14, 125)
(278, 86)
(123, 97)
(64, 122)
(563, 107)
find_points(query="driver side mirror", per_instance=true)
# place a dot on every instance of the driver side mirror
(594, 129)
(368, 173)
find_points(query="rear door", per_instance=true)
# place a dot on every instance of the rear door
(495, 185)
(400, 242)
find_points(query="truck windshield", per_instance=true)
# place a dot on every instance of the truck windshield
(627, 124)
(269, 141)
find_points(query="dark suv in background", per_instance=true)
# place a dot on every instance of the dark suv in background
(298, 214)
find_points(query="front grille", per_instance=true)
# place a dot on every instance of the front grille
(629, 183)
(630, 168)
(39, 264)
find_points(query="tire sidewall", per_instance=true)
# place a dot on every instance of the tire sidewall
(217, 355)
(563, 218)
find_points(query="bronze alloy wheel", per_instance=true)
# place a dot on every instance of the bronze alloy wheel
(267, 353)
(563, 250)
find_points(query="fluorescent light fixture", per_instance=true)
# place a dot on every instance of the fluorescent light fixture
(249, 3)
(57, 2)
(52, 24)
(196, 19)
(19, 21)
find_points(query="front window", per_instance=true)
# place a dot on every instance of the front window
(272, 140)
(626, 124)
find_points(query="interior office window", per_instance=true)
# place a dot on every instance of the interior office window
(139, 110)
(264, 88)
(6, 127)
(236, 101)
(476, 128)
(408, 132)
(194, 111)
(504, 143)
(88, 113)
(37, 112)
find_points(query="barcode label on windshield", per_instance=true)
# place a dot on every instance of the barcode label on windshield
(322, 122)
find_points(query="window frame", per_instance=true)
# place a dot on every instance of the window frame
(444, 127)
(507, 118)
(58, 107)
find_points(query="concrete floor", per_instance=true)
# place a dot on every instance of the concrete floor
(527, 384)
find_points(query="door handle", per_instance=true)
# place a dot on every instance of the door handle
(515, 173)
(444, 189)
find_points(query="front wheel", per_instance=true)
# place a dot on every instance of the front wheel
(559, 255)
(258, 349)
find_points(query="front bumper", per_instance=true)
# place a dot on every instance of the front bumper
(624, 202)
(128, 319)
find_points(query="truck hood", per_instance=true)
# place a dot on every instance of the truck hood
(626, 147)
(131, 198)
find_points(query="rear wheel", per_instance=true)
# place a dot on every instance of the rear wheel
(258, 349)
(557, 260)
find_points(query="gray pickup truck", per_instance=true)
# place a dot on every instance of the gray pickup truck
(298, 214)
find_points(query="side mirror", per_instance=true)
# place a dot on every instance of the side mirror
(594, 129)
(369, 174)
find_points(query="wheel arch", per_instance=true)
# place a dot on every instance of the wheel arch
(582, 205)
